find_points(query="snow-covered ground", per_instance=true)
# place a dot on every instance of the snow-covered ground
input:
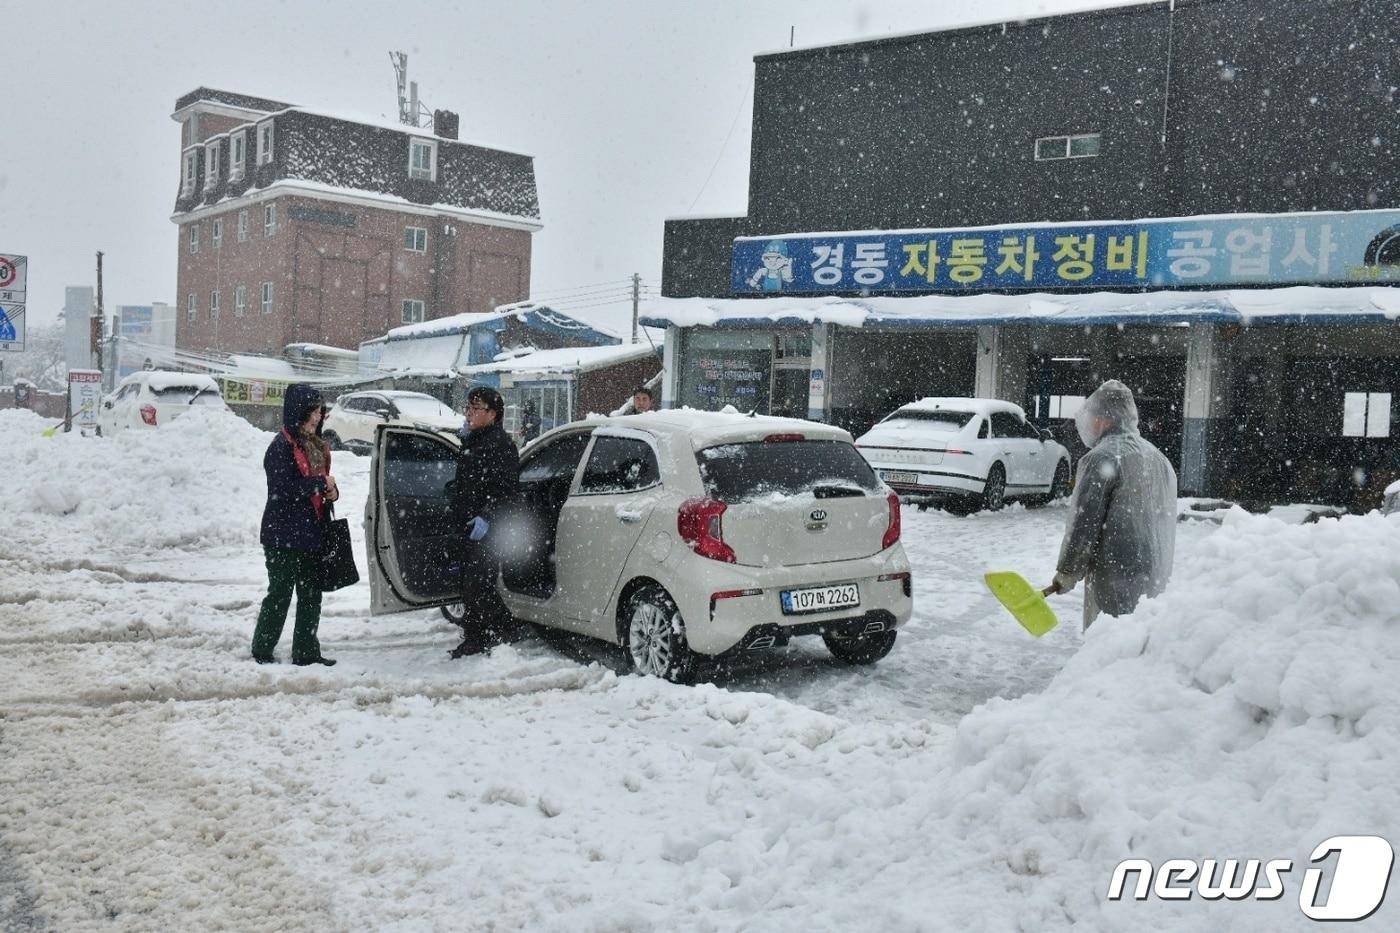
(152, 776)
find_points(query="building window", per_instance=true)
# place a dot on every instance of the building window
(415, 239)
(1083, 146)
(265, 143)
(194, 238)
(191, 167)
(190, 306)
(1366, 414)
(412, 311)
(237, 154)
(240, 300)
(267, 298)
(422, 159)
(214, 304)
(216, 235)
(269, 219)
(1060, 406)
(243, 226)
(211, 165)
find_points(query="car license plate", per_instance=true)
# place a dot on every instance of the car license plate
(908, 479)
(820, 598)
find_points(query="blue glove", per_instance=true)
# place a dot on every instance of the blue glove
(477, 528)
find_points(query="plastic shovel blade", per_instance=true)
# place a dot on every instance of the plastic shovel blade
(1023, 601)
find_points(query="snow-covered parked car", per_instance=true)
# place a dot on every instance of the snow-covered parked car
(1390, 499)
(351, 421)
(966, 453)
(151, 398)
(677, 535)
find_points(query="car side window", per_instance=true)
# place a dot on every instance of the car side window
(1004, 424)
(983, 432)
(558, 460)
(1028, 430)
(620, 464)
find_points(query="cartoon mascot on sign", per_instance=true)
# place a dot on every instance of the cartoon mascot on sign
(776, 268)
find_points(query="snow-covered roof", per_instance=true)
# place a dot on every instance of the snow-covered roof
(453, 324)
(568, 359)
(1292, 305)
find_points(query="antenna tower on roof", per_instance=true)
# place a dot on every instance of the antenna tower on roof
(409, 108)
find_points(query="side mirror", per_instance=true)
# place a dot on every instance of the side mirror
(383, 414)
(106, 404)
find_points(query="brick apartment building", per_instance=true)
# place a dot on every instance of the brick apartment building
(300, 226)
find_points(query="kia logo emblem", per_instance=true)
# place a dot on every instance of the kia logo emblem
(818, 515)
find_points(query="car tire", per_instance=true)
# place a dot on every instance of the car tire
(994, 493)
(653, 635)
(456, 613)
(332, 440)
(859, 649)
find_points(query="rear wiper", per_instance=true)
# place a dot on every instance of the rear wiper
(837, 492)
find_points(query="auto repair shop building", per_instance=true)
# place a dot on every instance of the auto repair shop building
(1199, 197)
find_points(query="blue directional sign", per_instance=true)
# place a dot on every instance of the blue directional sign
(7, 327)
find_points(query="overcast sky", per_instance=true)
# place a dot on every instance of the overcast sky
(634, 111)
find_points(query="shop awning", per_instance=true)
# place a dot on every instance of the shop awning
(1294, 305)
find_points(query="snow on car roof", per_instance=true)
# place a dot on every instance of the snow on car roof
(977, 406)
(159, 380)
(707, 428)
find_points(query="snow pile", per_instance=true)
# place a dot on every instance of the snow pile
(1250, 712)
(181, 485)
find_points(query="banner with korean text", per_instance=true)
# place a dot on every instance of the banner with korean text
(1358, 247)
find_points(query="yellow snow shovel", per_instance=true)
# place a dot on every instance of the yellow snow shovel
(1024, 601)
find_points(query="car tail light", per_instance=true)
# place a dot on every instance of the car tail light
(892, 532)
(781, 438)
(698, 523)
(148, 414)
(903, 577)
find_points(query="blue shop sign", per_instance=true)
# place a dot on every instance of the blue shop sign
(1356, 247)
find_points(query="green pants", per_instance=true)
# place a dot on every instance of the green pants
(289, 569)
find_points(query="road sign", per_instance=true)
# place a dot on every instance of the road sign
(14, 277)
(11, 326)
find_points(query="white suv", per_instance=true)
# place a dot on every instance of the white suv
(351, 421)
(676, 534)
(150, 398)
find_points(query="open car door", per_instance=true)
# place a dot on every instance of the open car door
(412, 539)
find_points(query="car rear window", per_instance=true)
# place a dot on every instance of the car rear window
(739, 472)
(949, 421)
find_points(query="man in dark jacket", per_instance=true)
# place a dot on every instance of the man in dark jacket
(488, 473)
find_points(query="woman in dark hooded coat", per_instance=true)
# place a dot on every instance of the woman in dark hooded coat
(299, 491)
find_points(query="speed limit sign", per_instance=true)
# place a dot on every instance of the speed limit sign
(12, 276)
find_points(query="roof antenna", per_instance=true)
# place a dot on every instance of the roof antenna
(792, 35)
(409, 107)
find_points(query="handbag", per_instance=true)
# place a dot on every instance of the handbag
(338, 568)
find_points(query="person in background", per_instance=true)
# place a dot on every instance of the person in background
(529, 422)
(642, 400)
(300, 489)
(488, 473)
(1121, 531)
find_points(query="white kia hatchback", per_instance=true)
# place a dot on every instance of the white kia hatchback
(678, 535)
(151, 398)
(966, 453)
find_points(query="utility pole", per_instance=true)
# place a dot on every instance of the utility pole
(97, 318)
(636, 299)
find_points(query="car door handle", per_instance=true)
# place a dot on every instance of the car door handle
(629, 518)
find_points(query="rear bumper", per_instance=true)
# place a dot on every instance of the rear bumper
(714, 626)
(931, 481)
(770, 635)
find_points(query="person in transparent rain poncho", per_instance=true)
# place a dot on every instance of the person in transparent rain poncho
(1121, 531)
